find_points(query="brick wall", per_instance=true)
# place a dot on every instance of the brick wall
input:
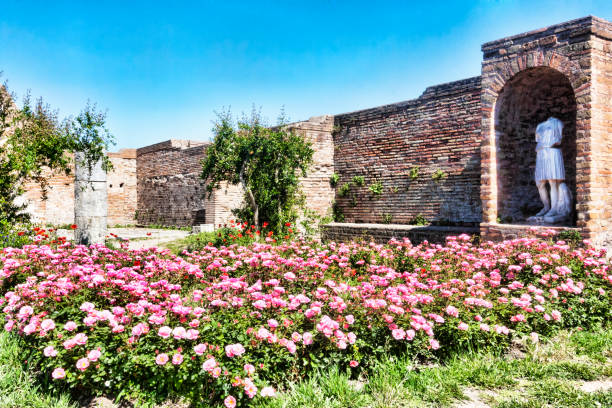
(343, 232)
(600, 208)
(315, 186)
(121, 185)
(575, 50)
(169, 188)
(58, 208)
(439, 131)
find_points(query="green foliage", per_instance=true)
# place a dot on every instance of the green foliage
(344, 189)
(87, 133)
(17, 383)
(333, 179)
(376, 188)
(14, 235)
(359, 181)
(337, 214)
(266, 161)
(419, 220)
(386, 218)
(311, 222)
(414, 173)
(403, 382)
(35, 144)
(221, 237)
(438, 175)
(570, 236)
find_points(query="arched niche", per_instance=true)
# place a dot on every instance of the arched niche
(527, 99)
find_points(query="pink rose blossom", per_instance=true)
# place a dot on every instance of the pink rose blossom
(200, 349)
(58, 373)
(49, 351)
(82, 364)
(229, 402)
(161, 359)
(94, 355)
(177, 359)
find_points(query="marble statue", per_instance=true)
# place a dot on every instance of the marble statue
(550, 170)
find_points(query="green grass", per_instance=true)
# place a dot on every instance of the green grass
(548, 376)
(17, 385)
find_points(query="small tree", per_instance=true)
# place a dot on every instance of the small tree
(266, 161)
(34, 143)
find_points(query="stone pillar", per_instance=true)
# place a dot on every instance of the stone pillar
(90, 202)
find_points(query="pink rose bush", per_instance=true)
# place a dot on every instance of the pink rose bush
(224, 323)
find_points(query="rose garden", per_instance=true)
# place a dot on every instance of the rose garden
(272, 308)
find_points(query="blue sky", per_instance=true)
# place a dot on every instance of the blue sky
(162, 69)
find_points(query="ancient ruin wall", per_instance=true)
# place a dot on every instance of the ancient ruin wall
(578, 50)
(170, 191)
(316, 188)
(58, 208)
(437, 133)
(600, 211)
(121, 188)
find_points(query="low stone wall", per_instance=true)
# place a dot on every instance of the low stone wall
(382, 233)
(503, 232)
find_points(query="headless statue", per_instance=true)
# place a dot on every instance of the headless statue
(550, 170)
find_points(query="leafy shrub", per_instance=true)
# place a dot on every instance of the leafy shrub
(14, 235)
(229, 322)
(266, 161)
(419, 220)
(359, 180)
(571, 236)
(376, 188)
(344, 189)
(333, 179)
(337, 214)
(386, 218)
(438, 175)
(414, 173)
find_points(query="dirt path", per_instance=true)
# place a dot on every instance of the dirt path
(139, 237)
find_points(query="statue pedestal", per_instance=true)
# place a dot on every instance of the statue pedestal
(550, 220)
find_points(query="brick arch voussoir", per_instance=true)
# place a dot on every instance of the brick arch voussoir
(514, 66)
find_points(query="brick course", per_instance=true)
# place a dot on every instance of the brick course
(439, 131)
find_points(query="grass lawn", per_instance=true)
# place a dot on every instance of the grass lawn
(571, 370)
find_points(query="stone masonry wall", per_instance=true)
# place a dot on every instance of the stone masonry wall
(600, 211)
(121, 188)
(438, 132)
(571, 49)
(58, 208)
(315, 186)
(344, 232)
(169, 188)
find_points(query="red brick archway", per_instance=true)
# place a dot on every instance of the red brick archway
(528, 98)
(503, 79)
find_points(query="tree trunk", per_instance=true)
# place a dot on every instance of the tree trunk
(250, 196)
